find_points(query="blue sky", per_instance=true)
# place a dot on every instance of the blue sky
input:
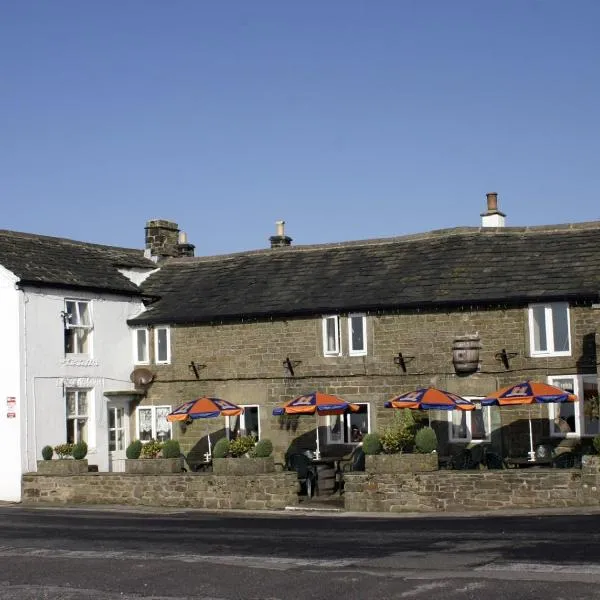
(349, 119)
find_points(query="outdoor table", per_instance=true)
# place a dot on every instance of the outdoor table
(525, 463)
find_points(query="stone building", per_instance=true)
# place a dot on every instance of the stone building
(466, 309)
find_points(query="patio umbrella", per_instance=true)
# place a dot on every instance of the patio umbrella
(430, 399)
(205, 408)
(528, 393)
(316, 403)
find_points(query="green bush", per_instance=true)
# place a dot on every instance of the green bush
(63, 450)
(151, 449)
(371, 443)
(241, 445)
(79, 451)
(596, 442)
(426, 440)
(134, 450)
(171, 449)
(221, 448)
(47, 452)
(263, 449)
(400, 435)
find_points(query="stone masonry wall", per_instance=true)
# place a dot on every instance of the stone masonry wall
(243, 362)
(256, 492)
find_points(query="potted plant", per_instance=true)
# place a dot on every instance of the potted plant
(243, 456)
(153, 457)
(70, 459)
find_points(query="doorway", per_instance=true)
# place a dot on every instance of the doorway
(118, 427)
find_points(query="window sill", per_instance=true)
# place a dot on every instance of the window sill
(548, 354)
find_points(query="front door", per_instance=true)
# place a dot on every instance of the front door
(117, 437)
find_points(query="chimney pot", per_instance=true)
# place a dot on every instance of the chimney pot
(280, 240)
(280, 228)
(492, 201)
(492, 217)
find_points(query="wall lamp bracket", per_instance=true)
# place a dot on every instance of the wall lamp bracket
(505, 357)
(195, 368)
(290, 365)
(402, 361)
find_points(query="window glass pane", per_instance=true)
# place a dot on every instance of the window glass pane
(71, 431)
(82, 404)
(336, 429)
(142, 345)
(71, 312)
(564, 412)
(560, 325)
(84, 315)
(235, 427)
(591, 412)
(145, 423)
(460, 430)
(251, 420)
(358, 342)
(162, 351)
(358, 424)
(163, 431)
(81, 430)
(71, 403)
(331, 324)
(478, 428)
(112, 441)
(540, 343)
(111, 418)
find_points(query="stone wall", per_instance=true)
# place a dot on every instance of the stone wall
(244, 363)
(199, 490)
(474, 490)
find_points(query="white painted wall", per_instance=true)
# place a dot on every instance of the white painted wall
(49, 372)
(11, 428)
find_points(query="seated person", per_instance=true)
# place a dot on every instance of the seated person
(355, 434)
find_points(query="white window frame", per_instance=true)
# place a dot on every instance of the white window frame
(77, 325)
(153, 409)
(135, 346)
(548, 324)
(168, 344)
(337, 351)
(579, 416)
(487, 420)
(77, 415)
(351, 350)
(242, 418)
(346, 425)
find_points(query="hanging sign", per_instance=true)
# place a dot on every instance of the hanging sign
(11, 407)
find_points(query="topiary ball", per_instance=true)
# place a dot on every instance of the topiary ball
(426, 440)
(596, 442)
(371, 443)
(79, 451)
(263, 449)
(134, 450)
(171, 449)
(47, 452)
(221, 448)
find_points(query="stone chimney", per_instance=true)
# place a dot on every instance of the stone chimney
(280, 239)
(184, 248)
(492, 217)
(162, 238)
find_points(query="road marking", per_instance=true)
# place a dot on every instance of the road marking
(536, 567)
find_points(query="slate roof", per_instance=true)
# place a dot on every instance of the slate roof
(57, 262)
(463, 266)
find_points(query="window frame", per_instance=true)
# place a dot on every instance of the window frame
(135, 346)
(242, 418)
(77, 416)
(68, 325)
(168, 344)
(154, 430)
(338, 349)
(487, 422)
(347, 426)
(549, 328)
(351, 350)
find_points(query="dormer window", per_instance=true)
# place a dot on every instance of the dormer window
(78, 327)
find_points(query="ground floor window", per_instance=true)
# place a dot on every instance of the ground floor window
(248, 423)
(470, 425)
(349, 428)
(77, 415)
(152, 423)
(575, 419)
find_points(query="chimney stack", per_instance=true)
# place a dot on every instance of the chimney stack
(492, 217)
(280, 240)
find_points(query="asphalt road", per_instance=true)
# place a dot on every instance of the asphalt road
(74, 554)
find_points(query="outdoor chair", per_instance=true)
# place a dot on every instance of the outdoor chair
(355, 462)
(306, 471)
(566, 460)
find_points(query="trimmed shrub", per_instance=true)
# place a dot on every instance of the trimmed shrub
(596, 442)
(221, 448)
(47, 452)
(263, 449)
(63, 450)
(400, 435)
(426, 440)
(134, 450)
(371, 444)
(79, 451)
(241, 445)
(171, 449)
(151, 449)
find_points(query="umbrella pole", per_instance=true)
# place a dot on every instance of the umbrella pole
(531, 451)
(318, 451)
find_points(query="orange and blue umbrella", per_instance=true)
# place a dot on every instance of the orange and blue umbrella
(205, 408)
(316, 403)
(528, 393)
(430, 399)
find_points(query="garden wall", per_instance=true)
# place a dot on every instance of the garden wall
(198, 490)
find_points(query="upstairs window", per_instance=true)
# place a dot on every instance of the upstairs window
(331, 336)
(357, 335)
(141, 351)
(78, 327)
(162, 345)
(549, 329)
(77, 415)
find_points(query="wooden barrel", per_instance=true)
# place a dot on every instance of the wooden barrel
(326, 479)
(465, 354)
